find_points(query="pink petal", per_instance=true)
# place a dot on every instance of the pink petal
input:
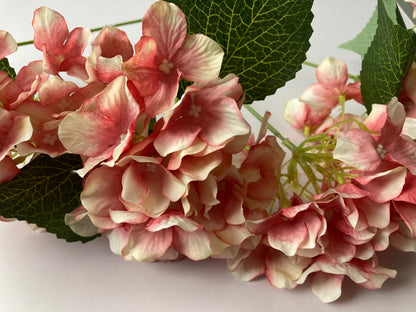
(50, 30)
(109, 69)
(172, 219)
(164, 97)
(195, 244)
(287, 237)
(327, 287)
(112, 42)
(319, 98)
(249, 267)
(101, 195)
(283, 271)
(7, 44)
(199, 58)
(76, 42)
(118, 239)
(8, 169)
(409, 128)
(296, 113)
(358, 149)
(167, 24)
(147, 246)
(17, 127)
(79, 222)
(407, 212)
(384, 186)
(332, 73)
(141, 68)
(377, 118)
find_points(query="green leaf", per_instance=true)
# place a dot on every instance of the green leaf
(265, 41)
(5, 66)
(387, 60)
(362, 41)
(43, 192)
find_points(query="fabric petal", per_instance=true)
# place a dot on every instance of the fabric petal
(332, 73)
(195, 244)
(50, 30)
(7, 44)
(8, 169)
(167, 24)
(358, 149)
(147, 246)
(327, 287)
(199, 58)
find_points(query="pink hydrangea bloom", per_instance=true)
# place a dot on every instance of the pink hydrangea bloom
(134, 204)
(62, 50)
(193, 57)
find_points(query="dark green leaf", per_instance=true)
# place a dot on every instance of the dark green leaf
(387, 61)
(5, 66)
(43, 192)
(265, 41)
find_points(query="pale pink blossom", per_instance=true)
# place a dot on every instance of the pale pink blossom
(56, 98)
(103, 126)
(205, 114)
(7, 44)
(192, 57)
(361, 150)
(331, 88)
(62, 50)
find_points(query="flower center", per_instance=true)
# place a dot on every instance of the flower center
(166, 66)
(195, 110)
(381, 151)
(50, 139)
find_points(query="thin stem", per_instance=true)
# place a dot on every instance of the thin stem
(286, 142)
(23, 43)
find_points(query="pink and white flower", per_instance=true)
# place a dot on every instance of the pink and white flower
(205, 114)
(62, 50)
(103, 126)
(192, 57)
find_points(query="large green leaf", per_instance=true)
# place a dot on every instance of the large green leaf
(5, 66)
(43, 192)
(362, 41)
(387, 60)
(265, 41)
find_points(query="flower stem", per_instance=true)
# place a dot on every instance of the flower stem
(23, 43)
(285, 141)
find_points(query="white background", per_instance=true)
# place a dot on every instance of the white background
(41, 273)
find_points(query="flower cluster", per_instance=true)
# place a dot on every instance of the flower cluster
(168, 177)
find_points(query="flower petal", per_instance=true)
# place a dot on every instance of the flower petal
(199, 58)
(167, 24)
(7, 44)
(327, 287)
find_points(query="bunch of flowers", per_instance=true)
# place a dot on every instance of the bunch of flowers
(167, 169)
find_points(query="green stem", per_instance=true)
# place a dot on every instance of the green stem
(23, 43)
